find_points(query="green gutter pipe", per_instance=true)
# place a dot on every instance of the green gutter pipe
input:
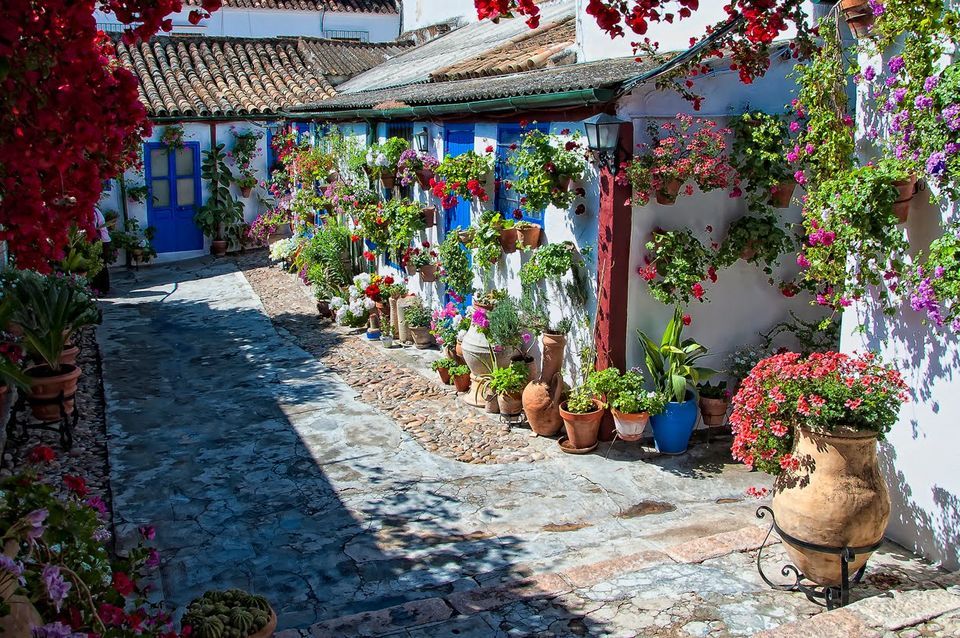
(582, 97)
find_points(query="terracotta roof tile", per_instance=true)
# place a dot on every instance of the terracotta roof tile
(531, 50)
(340, 6)
(205, 76)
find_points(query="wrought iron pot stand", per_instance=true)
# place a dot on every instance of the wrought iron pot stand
(64, 425)
(830, 596)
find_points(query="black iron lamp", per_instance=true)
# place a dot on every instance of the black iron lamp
(603, 138)
(422, 140)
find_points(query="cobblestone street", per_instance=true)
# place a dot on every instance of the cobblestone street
(350, 488)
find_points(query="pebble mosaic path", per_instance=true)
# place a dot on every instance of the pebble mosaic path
(263, 468)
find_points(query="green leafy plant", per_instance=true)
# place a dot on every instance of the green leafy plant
(245, 150)
(459, 371)
(581, 401)
(604, 383)
(551, 263)
(463, 169)
(405, 219)
(630, 396)
(491, 298)
(443, 364)
(172, 136)
(455, 271)
(758, 240)
(382, 159)
(852, 214)
(83, 255)
(327, 258)
(708, 391)
(545, 165)
(509, 380)
(671, 363)
(505, 329)
(417, 315)
(681, 262)
(233, 613)
(136, 241)
(221, 208)
(138, 193)
(48, 308)
(760, 145)
(484, 243)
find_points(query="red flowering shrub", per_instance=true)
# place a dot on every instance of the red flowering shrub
(69, 116)
(825, 391)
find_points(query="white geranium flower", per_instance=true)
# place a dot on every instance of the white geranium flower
(337, 303)
(368, 303)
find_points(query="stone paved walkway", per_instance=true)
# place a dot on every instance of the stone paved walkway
(262, 468)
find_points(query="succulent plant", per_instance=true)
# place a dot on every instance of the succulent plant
(233, 613)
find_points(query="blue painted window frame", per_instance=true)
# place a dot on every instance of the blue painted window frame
(504, 201)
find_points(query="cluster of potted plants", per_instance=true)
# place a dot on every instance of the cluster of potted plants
(548, 167)
(245, 151)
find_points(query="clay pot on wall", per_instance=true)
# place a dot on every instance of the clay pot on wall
(582, 429)
(782, 194)
(668, 193)
(46, 385)
(530, 235)
(842, 502)
(423, 178)
(388, 181)
(906, 189)
(508, 240)
(245, 191)
(541, 398)
(430, 216)
(859, 16)
(428, 274)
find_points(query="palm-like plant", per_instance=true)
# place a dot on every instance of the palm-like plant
(221, 209)
(671, 364)
(48, 308)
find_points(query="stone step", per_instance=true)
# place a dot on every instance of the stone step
(501, 588)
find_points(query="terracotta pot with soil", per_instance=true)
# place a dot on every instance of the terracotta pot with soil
(46, 385)
(838, 498)
(668, 193)
(782, 194)
(510, 405)
(410, 268)
(508, 240)
(859, 16)
(422, 339)
(713, 411)
(428, 274)
(906, 189)
(245, 191)
(388, 181)
(465, 235)
(582, 429)
(541, 398)
(218, 247)
(430, 216)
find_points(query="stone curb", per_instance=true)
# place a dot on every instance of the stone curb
(716, 545)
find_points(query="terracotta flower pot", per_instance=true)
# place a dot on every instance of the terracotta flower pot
(859, 16)
(388, 181)
(423, 178)
(465, 236)
(630, 426)
(444, 375)
(410, 269)
(422, 339)
(428, 273)
(462, 382)
(748, 253)
(510, 405)
(906, 188)
(46, 384)
(582, 429)
(383, 309)
(430, 216)
(564, 182)
(713, 411)
(782, 194)
(541, 398)
(668, 193)
(530, 235)
(269, 629)
(508, 240)
(245, 191)
(459, 350)
(218, 247)
(838, 498)
(69, 355)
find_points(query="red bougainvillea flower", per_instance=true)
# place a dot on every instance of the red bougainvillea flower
(369, 256)
(697, 291)
(76, 484)
(489, 148)
(41, 454)
(122, 584)
(687, 320)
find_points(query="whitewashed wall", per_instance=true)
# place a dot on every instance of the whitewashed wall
(268, 23)
(195, 132)
(741, 304)
(919, 455)
(423, 13)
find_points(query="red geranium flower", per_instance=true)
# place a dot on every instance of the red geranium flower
(76, 484)
(490, 149)
(369, 256)
(41, 454)
(687, 320)
(123, 584)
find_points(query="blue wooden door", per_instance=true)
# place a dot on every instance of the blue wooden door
(173, 196)
(459, 140)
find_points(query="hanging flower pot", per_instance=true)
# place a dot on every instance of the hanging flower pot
(859, 16)
(713, 411)
(388, 180)
(582, 429)
(630, 426)
(245, 191)
(748, 252)
(906, 189)
(668, 192)
(564, 182)
(428, 273)
(410, 268)
(430, 216)
(782, 194)
(530, 235)
(423, 178)
(508, 240)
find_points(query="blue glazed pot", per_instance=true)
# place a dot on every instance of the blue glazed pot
(673, 428)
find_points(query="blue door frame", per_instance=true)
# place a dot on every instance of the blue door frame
(458, 139)
(170, 210)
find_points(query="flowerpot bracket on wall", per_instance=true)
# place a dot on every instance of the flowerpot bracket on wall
(829, 596)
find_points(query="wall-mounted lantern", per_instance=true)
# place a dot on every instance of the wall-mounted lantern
(422, 140)
(603, 138)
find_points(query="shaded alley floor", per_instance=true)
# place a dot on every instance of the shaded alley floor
(262, 468)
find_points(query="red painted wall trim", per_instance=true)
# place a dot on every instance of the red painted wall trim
(614, 220)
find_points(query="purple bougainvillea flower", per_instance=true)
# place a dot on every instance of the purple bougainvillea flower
(877, 7)
(937, 164)
(923, 102)
(931, 83)
(869, 74)
(895, 65)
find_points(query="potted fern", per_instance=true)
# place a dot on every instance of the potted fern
(672, 367)
(233, 613)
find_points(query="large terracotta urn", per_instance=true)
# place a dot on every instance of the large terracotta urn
(477, 353)
(541, 398)
(837, 498)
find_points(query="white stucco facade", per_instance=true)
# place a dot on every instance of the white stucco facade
(919, 454)
(424, 13)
